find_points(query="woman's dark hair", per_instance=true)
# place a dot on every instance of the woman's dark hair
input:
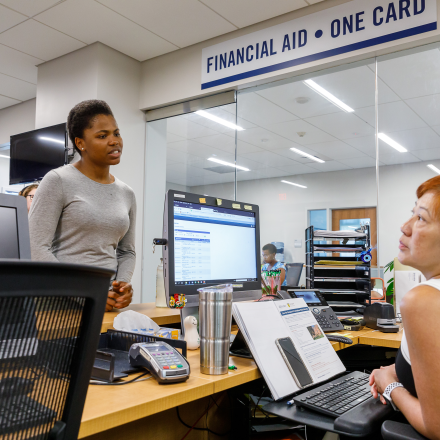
(82, 115)
(270, 247)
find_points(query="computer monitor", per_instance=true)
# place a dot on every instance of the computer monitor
(14, 228)
(210, 241)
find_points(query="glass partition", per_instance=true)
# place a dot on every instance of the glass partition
(409, 136)
(309, 151)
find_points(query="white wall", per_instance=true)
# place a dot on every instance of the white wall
(286, 220)
(4, 173)
(99, 72)
(17, 119)
(176, 76)
(176, 187)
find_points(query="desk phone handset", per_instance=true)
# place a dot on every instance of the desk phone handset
(322, 312)
(164, 362)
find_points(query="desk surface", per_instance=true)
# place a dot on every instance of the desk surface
(160, 315)
(109, 406)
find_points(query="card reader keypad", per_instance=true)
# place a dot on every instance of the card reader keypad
(167, 360)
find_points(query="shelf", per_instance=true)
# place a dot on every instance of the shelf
(339, 267)
(337, 279)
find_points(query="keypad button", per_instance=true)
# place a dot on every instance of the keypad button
(180, 366)
(166, 367)
(173, 367)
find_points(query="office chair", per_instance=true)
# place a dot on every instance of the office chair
(50, 321)
(293, 273)
(399, 431)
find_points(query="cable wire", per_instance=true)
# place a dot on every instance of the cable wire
(94, 382)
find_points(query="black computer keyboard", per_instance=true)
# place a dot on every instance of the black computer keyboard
(22, 412)
(338, 396)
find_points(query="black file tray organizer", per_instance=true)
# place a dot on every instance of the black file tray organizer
(360, 422)
(111, 361)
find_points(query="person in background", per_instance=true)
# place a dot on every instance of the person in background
(28, 192)
(412, 383)
(271, 263)
(82, 213)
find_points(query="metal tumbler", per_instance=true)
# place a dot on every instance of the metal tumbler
(215, 313)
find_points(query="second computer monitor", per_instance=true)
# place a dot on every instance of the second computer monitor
(210, 241)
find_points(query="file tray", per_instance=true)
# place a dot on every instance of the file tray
(111, 361)
(362, 421)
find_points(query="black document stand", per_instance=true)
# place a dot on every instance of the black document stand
(358, 423)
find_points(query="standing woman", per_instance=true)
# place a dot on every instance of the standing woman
(83, 214)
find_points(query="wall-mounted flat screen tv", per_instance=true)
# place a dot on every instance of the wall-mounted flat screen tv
(35, 153)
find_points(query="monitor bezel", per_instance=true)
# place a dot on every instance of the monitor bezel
(168, 250)
(20, 205)
(16, 181)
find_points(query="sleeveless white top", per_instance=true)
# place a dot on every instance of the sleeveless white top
(404, 344)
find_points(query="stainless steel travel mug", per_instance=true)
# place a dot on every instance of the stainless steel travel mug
(215, 314)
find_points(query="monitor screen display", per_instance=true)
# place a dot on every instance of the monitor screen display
(8, 233)
(35, 153)
(213, 244)
(309, 297)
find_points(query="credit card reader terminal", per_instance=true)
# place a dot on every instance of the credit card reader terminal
(322, 312)
(164, 362)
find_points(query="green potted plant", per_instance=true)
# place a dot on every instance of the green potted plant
(390, 283)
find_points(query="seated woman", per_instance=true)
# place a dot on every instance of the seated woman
(413, 382)
(28, 192)
(271, 263)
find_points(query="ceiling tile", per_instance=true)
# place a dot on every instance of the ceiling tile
(90, 21)
(427, 107)
(227, 143)
(417, 139)
(268, 158)
(337, 150)
(412, 75)
(393, 116)
(39, 41)
(182, 22)
(222, 114)
(342, 125)
(291, 130)
(260, 111)
(9, 18)
(188, 129)
(299, 100)
(356, 87)
(394, 158)
(365, 144)
(29, 7)
(359, 162)
(272, 172)
(18, 64)
(246, 12)
(428, 154)
(6, 102)
(265, 139)
(329, 166)
(289, 154)
(171, 137)
(16, 88)
(297, 169)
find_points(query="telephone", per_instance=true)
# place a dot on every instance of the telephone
(322, 312)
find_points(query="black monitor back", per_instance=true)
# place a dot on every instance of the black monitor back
(14, 228)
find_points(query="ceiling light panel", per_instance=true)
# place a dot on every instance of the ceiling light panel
(327, 95)
(222, 162)
(302, 153)
(392, 143)
(433, 168)
(294, 184)
(219, 120)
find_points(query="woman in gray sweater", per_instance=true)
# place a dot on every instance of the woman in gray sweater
(83, 214)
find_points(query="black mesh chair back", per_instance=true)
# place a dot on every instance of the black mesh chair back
(293, 273)
(50, 321)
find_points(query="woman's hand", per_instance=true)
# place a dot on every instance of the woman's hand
(124, 294)
(380, 379)
(111, 301)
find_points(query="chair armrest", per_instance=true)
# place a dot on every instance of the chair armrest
(399, 431)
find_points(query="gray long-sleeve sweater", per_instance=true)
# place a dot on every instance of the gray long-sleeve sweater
(74, 219)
